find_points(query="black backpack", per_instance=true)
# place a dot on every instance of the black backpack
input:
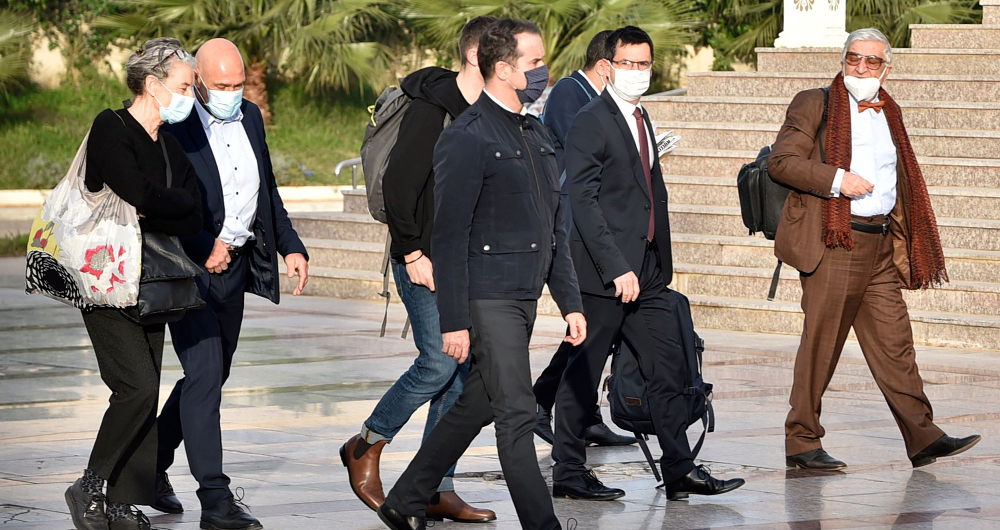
(626, 385)
(762, 199)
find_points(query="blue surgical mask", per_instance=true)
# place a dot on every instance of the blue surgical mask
(223, 104)
(179, 108)
(538, 80)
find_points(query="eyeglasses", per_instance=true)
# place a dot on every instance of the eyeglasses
(633, 65)
(871, 61)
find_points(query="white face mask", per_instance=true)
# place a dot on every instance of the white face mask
(863, 88)
(631, 84)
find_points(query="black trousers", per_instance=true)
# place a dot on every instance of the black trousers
(497, 391)
(547, 384)
(129, 357)
(643, 326)
(205, 341)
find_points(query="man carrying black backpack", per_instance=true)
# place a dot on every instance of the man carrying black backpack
(408, 188)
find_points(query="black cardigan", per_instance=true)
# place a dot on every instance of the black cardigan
(121, 154)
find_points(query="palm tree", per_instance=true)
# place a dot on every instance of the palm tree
(567, 26)
(754, 23)
(324, 43)
(14, 52)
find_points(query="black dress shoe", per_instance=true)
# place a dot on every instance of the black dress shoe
(815, 459)
(585, 487)
(229, 514)
(944, 446)
(397, 521)
(602, 435)
(544, 426)
(700, 482)
(86, 509)
(165, 500)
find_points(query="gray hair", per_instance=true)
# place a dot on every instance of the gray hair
(868, 34)
(155, 58)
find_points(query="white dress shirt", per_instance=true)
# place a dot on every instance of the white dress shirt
(237, 165)
(628, 110)
(591, 83)
(873, 158)
(524, 108)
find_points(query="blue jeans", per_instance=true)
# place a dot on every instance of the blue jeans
(433, 377)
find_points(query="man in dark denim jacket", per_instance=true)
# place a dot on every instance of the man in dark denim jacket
(499, 236)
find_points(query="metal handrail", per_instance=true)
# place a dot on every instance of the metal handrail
(354, 163)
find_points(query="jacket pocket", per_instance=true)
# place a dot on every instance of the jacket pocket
(508, 171)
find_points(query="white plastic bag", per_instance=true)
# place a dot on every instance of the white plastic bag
(85, 247)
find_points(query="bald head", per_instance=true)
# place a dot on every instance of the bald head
(220, 67)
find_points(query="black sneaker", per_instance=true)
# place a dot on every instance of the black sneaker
(86, 509)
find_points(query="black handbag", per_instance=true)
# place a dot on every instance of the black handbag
(167, 288)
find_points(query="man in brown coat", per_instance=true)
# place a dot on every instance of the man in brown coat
(859, 227)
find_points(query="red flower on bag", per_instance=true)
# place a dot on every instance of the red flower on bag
(98, 260)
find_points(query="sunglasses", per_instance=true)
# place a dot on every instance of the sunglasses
(871, 61)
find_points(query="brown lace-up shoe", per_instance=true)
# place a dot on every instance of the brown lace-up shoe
(361, 461)
(451, 506)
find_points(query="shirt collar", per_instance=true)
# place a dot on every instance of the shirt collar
(585, 76)
(627, 108)
(524, 108)
(207, 120)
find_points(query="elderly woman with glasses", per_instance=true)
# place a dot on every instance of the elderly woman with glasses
(127, 152)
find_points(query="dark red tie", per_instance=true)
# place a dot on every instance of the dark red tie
(644, 155)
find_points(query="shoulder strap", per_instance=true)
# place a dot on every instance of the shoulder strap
(163, 147)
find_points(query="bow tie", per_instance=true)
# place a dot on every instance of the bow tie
(865, 105)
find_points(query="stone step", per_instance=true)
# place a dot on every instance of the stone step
(755, 315)
(355, 201)
(971, 203)
(948, 61)
(973, 234)
(903, 87)
(960, 297)
(991, 11)
(748, 136)
(958, 36)
(350, 255)
(747, 251)
(925, 114)
(761, 316)
(952, 172)
(338, 226)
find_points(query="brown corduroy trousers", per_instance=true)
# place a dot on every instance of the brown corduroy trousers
(858, 288)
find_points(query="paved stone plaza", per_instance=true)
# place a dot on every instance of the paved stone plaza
(308, 372)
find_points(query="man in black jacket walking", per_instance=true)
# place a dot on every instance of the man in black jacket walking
(408, 187)
(621, 249)
(245, 228)
(566, 98)
(498, 238)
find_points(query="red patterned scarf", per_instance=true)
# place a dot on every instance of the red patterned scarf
(926, 256)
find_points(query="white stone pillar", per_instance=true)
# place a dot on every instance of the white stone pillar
(813, 24)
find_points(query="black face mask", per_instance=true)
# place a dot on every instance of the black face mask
(538, 80)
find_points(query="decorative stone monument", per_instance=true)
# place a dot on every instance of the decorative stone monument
(813, 24)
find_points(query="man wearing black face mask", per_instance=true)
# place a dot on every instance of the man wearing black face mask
(498, 238)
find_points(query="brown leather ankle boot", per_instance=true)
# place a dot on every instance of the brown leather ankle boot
(451, 506)
(362, 470)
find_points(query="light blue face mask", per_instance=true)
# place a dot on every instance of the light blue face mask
(179, 108)
(223, 104)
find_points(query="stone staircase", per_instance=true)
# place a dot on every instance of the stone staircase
(949, 88)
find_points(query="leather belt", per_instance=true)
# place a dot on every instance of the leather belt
(882, 229)
(235, 252)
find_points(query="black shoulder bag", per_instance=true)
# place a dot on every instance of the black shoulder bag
(166, 287)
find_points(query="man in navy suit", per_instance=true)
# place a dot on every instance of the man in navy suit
(245, 228)
(566, 98)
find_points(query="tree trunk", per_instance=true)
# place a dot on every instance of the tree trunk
(255, 89)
